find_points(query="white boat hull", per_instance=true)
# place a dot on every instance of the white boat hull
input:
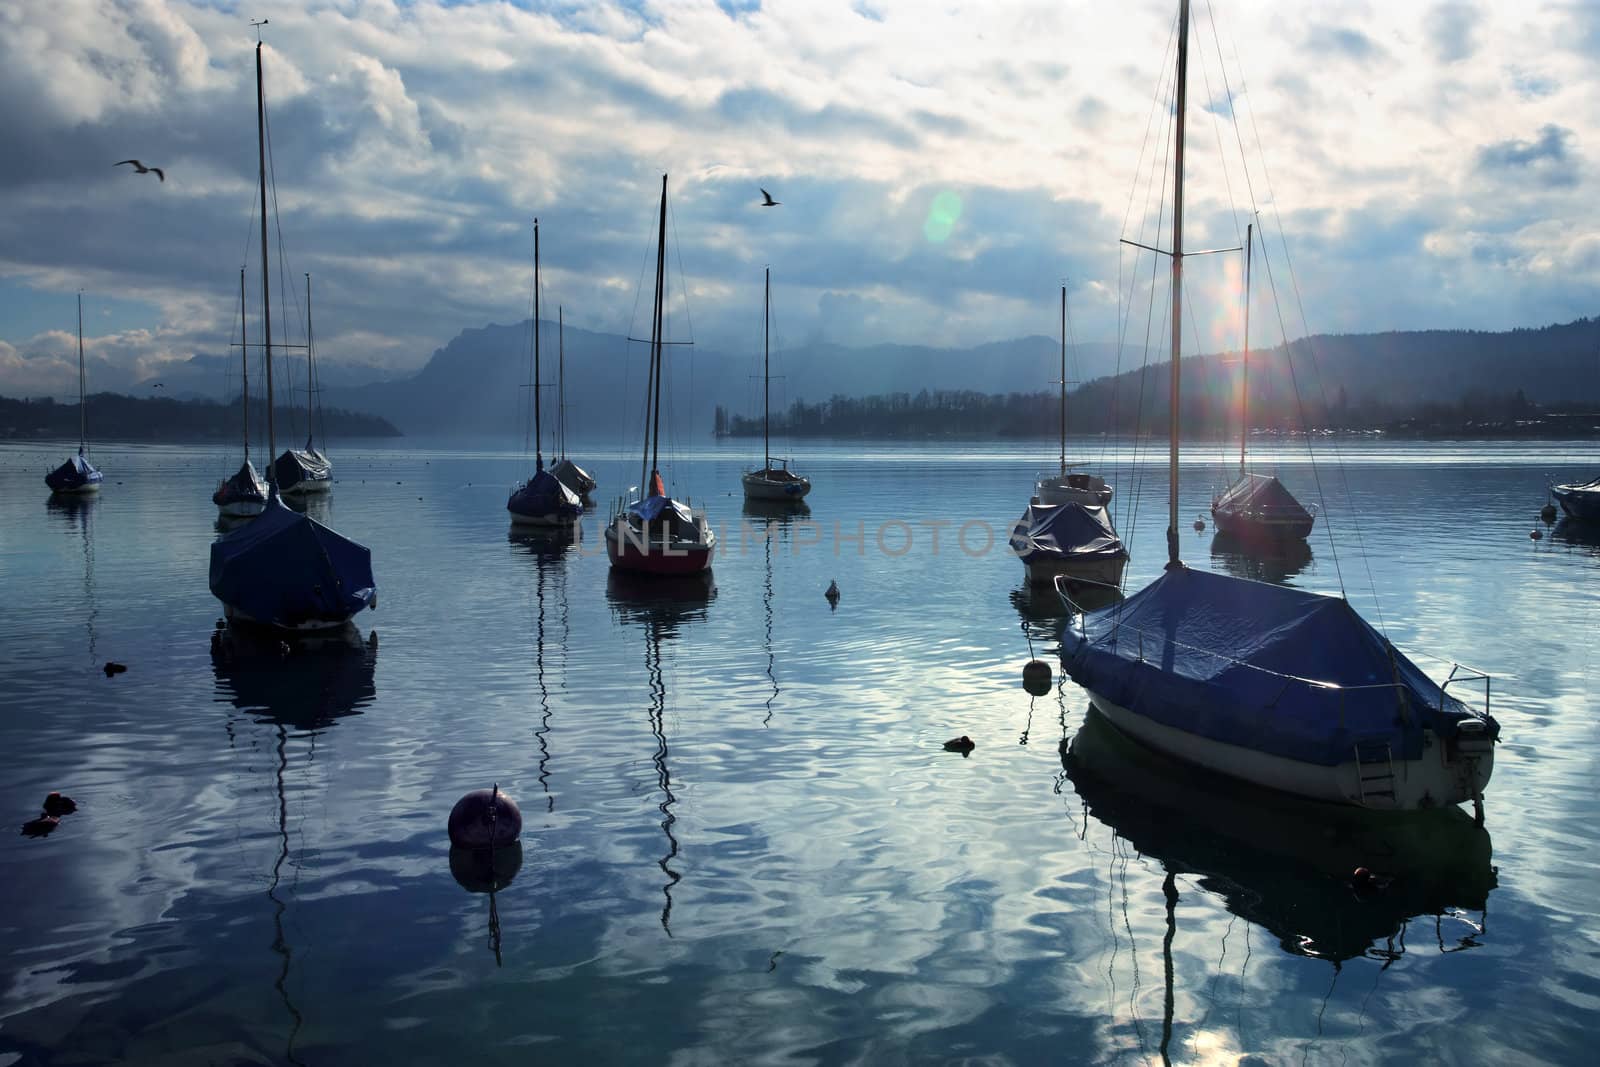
(757, 488)
(82, 490)
(1092, 492)
(319, 626)
(545, 522)
(1434, 780)
(246, 509)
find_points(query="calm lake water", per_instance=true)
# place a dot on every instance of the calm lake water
(743, 840)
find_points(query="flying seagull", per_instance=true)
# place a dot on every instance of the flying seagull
(768, 201)
(159, 385)
(140, 168)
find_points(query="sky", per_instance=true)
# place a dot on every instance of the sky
(942, 168)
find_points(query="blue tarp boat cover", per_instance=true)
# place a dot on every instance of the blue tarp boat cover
(1261, 494)
(1060, 531)
(245, 485)
(287, 569)
(654, 507)
(296, 466)
(544, 495)
(75, 473)
(1278, 670)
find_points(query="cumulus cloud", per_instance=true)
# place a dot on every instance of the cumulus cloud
(413, 143)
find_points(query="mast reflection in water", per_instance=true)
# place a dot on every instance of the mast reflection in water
(300, 691)
(662, 605)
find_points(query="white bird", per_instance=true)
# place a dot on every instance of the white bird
(769, 202)
(140, 168)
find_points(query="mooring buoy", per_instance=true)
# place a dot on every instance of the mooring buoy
(485, 818)
(1036, 677)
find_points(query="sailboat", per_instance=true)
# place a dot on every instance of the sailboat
(78, 475)
(1257, 508)
(284, 570)
(541, 500)
(655, 534)
(574, 477)
(1068, 486)
(245, 494)
(1067, 531)
(306, 470)
(1280, 687)
(771, 483)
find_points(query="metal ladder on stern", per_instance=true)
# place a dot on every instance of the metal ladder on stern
(1375, 773)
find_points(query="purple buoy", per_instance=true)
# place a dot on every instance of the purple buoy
(485, 818)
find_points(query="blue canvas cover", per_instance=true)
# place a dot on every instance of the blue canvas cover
(542, 496)
(1278, 670)
(654, 507)
(75, 473)
(1261, 494)
(296, 466)
(1065, 531)
(286, 569)
(245, 486)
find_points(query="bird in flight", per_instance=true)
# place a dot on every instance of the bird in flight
(767, 200)
(159, 385)
(140, 168)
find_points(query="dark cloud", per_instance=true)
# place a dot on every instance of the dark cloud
(1452, 29)
(1547, 159)
(1341, 40)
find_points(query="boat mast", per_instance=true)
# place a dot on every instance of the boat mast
(561, 381)
(655, 341)
(766, 373)
(1063, 380)
(311, 369)
(538, 444)
(266, 305)
(83, 414)
(1177, 284)
(1244, 382)
(244, 362)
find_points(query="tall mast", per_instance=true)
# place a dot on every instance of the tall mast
(311, 371)
(83, 388)
(656, 341)
(1063, 380)
(244, 362)
(1177, 284)
(1244, 381)
(766, 372)
(538, 443)
(561, 381)
(266, 304)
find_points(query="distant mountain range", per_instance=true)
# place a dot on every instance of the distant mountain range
(114, 417)
(474, 384)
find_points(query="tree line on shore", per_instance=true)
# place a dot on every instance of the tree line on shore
(126, 418)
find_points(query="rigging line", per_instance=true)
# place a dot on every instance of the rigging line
(1266, 175)
(1127, 211)
(288, 294)
(1160, 198)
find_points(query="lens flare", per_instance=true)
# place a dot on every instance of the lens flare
(942, 217)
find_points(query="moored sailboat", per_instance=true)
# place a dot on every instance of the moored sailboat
(1069, 486)
(656, 534)
(78, 475)
(300, 471)
(1287, 689)
(1257, 507)
(771, 484)
(244, 495)
(285, 570)
(574, 477)
(542, 500)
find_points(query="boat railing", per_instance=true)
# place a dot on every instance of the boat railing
(1460, 674)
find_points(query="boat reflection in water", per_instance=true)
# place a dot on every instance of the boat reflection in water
(1274, 561)
(546, 543)
(1577, 534)
(662, 605)
(1286, 864)
(300, 690)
